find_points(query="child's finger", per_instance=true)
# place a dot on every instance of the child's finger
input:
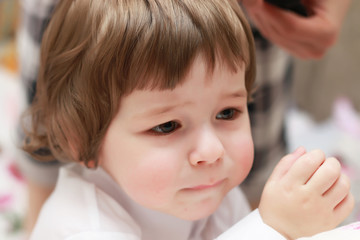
(305, 167)
(344, 208)
(338, 191)
(327, 174)
(286, 162)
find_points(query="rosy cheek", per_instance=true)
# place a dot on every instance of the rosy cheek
(248, 154)
(243, 155)
(150, 184)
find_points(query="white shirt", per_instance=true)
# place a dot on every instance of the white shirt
(88, 204)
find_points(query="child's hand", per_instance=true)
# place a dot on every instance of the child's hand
(306, 194)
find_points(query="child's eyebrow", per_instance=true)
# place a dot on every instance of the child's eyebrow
(160, 110)
(236, 94)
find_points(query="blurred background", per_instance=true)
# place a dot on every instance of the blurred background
(12, 186)
(323, 113)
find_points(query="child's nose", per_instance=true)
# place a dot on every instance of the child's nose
(208, 148)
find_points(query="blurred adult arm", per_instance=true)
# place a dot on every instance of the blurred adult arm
(304, 37)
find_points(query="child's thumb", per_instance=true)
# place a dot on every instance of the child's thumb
(286, 162)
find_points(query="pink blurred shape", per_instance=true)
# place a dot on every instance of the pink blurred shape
(5, 201)
(346, 117)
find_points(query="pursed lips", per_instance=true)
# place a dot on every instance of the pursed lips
(205, 186)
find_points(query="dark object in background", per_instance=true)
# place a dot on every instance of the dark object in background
(292, 5)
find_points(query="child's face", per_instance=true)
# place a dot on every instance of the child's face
(181, 151)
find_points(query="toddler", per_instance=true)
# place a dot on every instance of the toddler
(148, 99)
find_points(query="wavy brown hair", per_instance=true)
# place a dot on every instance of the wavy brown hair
(94, 52)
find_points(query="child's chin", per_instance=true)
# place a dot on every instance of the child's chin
(199, 212)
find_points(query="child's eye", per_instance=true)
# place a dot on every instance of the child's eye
(165, 128)
(228, 114)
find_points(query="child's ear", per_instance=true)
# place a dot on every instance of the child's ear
(89, 164)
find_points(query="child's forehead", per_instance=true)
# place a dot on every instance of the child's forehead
(202, 67)
(221, 80)
(199, 67)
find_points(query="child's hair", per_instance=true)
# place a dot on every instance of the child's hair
(94, 52)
